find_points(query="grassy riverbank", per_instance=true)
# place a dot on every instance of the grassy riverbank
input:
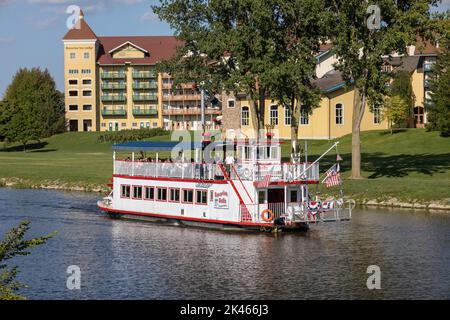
(410, 165)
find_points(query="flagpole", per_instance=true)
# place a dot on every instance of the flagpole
(318, 159)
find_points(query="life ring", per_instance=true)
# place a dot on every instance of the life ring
(269, 218)
(246, 173)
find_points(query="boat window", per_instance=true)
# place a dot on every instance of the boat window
(174, 195)
(137, 192)
(188, 196)
(294, 196)
(201, 197)
(149, 193)
(162, 194)
(125, 191)
(261, 197)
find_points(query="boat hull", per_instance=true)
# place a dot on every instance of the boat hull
(202, 223)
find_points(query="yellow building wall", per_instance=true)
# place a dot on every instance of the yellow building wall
(80, 63)
(322, 120)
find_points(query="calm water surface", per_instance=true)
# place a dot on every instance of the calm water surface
(133, 260)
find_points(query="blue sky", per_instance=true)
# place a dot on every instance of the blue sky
(31, 31)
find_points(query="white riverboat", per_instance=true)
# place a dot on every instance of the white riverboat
(254, 190)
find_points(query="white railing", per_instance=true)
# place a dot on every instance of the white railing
(168, 170)
(299, 212)
(279, 172)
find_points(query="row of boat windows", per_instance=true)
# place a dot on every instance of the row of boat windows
(164, 194)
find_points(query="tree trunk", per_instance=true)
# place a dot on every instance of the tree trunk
(359, 104)
(295, 115)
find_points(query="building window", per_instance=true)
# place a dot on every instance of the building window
(73, 93)
(245, 116)
(124, 124)
(73, 107)
(87, 93)
(273, 119)
(155, 124)
(73, 56)
(86, 71)
(73, 82)
(103, 125)
(87, 82)
(188, 196)
(376, 115)
(201, 197)
(73, 71)
(147, 125)
(231, 103)
(134, 124)
(142, 125)
(339, 114)
(87, 107)
(174, 195)
(149, 193)
(125, 191)
(162, 194)
(304, 116)
(86, 55)
(137, 192)
(287, 116)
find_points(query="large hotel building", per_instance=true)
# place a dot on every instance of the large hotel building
(111, 84)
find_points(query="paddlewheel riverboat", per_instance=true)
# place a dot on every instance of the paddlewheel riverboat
(252, 189)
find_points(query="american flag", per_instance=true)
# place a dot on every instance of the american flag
(332, 176)
(265, 182)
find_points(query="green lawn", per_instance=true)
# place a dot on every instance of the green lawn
(409, 165)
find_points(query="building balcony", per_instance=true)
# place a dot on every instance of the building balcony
(145, 111)
(182, 97)
(144, 74)
(426, 84)
(113, 75)
(113, 86)
(145, 97)
(144, 85)
(190, 111)
(112, 98)
(114, 112)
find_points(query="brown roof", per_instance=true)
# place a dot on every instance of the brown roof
(425, 47)
(407, 63)
(331, 81)
(159, 48)
(81, 31)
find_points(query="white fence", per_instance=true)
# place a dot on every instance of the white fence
(279, 172)
(168, 170)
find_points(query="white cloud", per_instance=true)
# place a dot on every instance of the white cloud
(149, 16)
(6, 40)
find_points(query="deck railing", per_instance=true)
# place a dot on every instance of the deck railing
(168, 170)
(286, 172)
(247, 172)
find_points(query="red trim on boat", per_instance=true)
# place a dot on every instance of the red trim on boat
(157, 215)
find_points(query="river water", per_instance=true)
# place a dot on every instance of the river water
(140, 260)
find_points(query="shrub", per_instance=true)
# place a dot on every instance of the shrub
(131, 135)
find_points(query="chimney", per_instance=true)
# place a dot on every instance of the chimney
(81, 14)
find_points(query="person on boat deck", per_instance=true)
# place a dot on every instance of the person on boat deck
(229, 161)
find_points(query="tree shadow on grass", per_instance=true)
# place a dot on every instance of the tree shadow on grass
(35, 147)
(394, 166)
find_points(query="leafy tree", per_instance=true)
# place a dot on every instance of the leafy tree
(439, 105)
(228, 45)
(11, 246)
(359, 44)
(304, 25)
(32, 108)
(402, 86)
(396, 110)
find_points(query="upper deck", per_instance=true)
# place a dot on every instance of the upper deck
(284, 172)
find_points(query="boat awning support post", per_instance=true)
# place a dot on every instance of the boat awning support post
(132, 164)
(114, 162)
